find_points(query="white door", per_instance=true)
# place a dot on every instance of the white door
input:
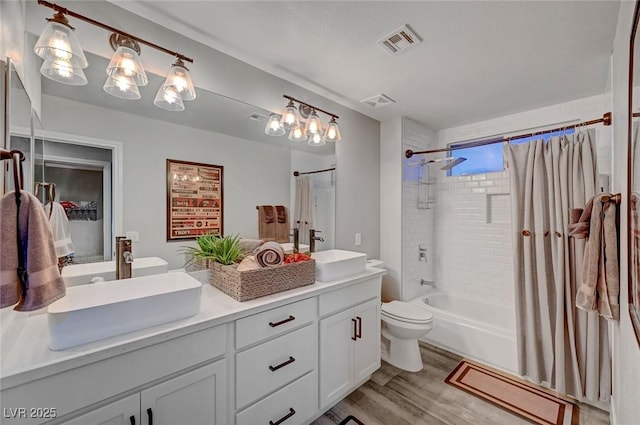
(121, 412)
(336, 356)
(195, 398)
(367, 348)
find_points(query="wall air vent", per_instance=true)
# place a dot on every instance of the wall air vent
(400, 40)
(378, 101)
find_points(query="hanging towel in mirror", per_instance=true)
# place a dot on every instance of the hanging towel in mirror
(266, 223)
(43, 284)
(59, 224)
(282, 224)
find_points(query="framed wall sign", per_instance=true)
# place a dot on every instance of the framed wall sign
(194, 199)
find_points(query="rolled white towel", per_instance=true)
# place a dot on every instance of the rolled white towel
(269, 254)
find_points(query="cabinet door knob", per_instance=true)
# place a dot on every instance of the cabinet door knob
(274, 368)
(355, 325)
(132, 419)
(282, 322)
(150, 415)
(359, 331)
(284, 418)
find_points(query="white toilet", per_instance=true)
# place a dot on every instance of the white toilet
(402, 325)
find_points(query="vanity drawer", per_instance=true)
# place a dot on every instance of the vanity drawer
(274, 322)
(274, 364)
(349, 296)
(297, 402)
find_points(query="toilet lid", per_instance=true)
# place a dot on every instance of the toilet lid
(406, 312)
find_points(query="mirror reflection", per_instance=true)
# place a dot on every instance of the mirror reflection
(634, 184)
(92, 139)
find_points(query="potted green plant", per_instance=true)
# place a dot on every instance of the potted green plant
(224, 250)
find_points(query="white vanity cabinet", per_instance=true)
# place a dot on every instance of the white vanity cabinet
(196, 397)
(349, 339)
(276, 378)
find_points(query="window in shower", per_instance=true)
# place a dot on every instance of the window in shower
(489, 158)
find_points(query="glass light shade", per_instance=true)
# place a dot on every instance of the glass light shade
(273, 127)
(58, 42)
(122, 87)
(62, 72)
(332, 132)
(180, 80)
(126, 63)
(289, 116)
(316, 139)
(297, 133)
(168, 98)
(314, 125)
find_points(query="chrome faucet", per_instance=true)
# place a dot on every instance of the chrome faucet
(313, 238)
(124, 258)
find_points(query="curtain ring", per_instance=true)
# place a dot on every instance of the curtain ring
(526, 233)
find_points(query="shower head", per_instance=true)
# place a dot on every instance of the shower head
(453, 163)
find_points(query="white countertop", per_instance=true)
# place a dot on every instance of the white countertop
(24, 344)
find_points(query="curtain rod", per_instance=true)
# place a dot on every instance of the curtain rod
(605, 120)
(299, 173)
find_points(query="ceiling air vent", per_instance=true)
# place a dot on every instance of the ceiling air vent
(400, 39)
(378, 101)
(257, 117)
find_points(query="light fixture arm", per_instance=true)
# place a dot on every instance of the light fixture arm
(293, 99)
(66, 11)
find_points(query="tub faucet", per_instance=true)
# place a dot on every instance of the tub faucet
(428, 283)
(313, 238)
(124, 259)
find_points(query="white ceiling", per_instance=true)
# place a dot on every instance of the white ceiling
(478, 60)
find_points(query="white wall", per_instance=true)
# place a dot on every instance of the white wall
(391, 207)
(147, 144)
(625, 409)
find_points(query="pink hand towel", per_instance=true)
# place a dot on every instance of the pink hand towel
(43, 282)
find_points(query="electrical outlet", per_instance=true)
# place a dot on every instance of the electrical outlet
(358, 240)
(134, 236)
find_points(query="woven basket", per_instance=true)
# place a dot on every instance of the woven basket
(250, 284)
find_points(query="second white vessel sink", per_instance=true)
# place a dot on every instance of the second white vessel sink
(334, 264)
(91, 312)
(81, 274)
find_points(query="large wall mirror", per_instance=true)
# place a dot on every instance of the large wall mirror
(83, 124)
(634, 175)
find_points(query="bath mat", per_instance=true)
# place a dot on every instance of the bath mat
(351, 420)
(513, 394)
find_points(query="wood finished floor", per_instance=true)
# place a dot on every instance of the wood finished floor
(396, 397)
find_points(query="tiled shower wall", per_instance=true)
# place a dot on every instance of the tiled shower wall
(473, 237)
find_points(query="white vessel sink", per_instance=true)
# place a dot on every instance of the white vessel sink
(92, 312)
(334, 264)
(80, 274)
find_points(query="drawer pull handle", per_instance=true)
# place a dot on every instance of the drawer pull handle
(132, 419)
(282, 322)
(355, 325)
(150, 414)
(284, 418)
(274, 368)
(359, 331)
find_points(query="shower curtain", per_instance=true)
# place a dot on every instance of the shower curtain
(558, 345)
(304, 207)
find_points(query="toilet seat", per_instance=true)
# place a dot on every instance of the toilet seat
(405, 312)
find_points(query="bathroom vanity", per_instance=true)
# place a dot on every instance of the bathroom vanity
(280, 359)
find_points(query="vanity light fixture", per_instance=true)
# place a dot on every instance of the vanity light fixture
(63, 57)
(64, 61)
(274, 128)
(311, 130)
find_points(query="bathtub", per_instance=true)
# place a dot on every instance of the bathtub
(471, 328)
